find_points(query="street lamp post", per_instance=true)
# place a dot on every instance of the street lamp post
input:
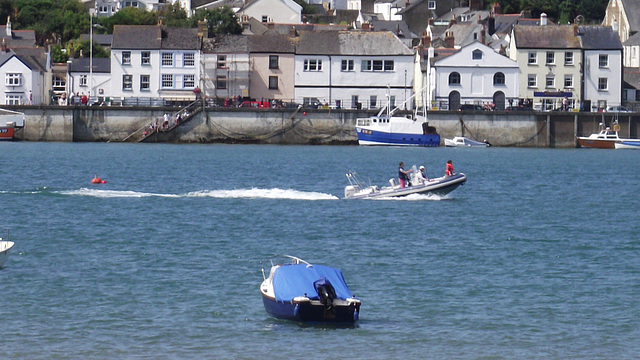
(91, 11)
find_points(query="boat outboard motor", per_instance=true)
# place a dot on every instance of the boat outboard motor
(326, 292)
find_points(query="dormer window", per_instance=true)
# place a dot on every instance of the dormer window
(431, 5)
(476, 55)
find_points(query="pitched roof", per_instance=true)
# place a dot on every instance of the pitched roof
(366, 43)
(599, 37)
(100, 65)
(400, 28)
(633, 40)
(226, 44)
(18, 38)
(34, 58)
(154, 37)
(632, 9)
(270, 43)
(546, 37)
(102, 39)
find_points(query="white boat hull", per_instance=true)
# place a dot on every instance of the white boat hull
(439, 186)
(628, 144)
(5, 246)
(460, 141)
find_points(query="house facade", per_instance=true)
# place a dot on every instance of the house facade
(602, 66)
(272, 64)
(225, 66)
(95, 84)
(352, 69)
(151, 61)
(273, 11)
(474, 75)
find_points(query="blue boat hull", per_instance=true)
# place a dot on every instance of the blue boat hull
(307, 312)
(372, 137)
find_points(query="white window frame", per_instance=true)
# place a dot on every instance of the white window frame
(13, 99)
(431, 5)
(550, 58)
(532, 81)
(167, 81)
(167, 59)
(568, 81)
(347, 65)
(126, 58)
(145, 82)
(145, 58)
(312, 65)
(568, 58)
(532, 58)
(550, 82)
(603, 61)
(603, 84)
(127, 82)
(13, 79)
(189, 59)
(189, 81)
(83, 80)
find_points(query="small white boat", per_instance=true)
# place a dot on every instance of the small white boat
(461, 141)
(359, 189)
(5, 246)
(628, 144)
(308, 292)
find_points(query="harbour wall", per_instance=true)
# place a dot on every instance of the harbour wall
(308, 127)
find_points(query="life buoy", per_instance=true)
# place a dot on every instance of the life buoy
(97, 180)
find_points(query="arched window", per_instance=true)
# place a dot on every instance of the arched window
(454, 78)
(498, 78)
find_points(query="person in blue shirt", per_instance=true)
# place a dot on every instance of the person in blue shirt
(403, 175)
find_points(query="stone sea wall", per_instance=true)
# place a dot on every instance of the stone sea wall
(313, 126)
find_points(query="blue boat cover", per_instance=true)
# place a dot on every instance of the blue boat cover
(290, 281)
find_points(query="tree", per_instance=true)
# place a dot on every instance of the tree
(129, 16)
(220, 20)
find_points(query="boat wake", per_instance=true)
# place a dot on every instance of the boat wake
(253, 193)
(256, 193)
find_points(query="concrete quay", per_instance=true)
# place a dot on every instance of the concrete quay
(306, 127)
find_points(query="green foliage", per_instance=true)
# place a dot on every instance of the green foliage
(82, 47)
(173, 15)
(57, 55)
(129, 16)
(220, 20)
(306, 7)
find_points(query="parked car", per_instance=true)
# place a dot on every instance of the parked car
(618, 109)
(470, 107)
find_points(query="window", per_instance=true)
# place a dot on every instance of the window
(550, 81)
(83, 80)
(126, 58)
(127, 82)
(498, 79)
(189, 81)
(568, 58)
(144, 82)
(347, 65)
(372, 101)
(12, 99)
(431, 5)
(533, 58)
(273, 62)
(222, 61)
(145, 58)
(312, 65)
(13, 79)
(273, 82)
(167, 59)
(551, 58)
(454, 78)
(167, 80)
(603, 60)
(377, 65)
(532, 81)
(568, 81)
(189, 59)
(476, 55)
(265, 18)
(59, 84)
(603, 84)
(221, 82)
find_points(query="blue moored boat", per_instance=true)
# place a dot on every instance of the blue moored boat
(311, 293)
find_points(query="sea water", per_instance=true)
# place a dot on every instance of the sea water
(536, 256)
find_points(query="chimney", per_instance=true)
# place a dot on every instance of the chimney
(492, 25)
(479, 19)
(426, 39)
(292, 32)
(475, 5)
(496, 8)
(483, 35)
(3, 46)
(365, 26)
(543, 19)
(203, 29)
(406, 5)
(575, 29)
(72, 52)
(448, 39)
(614, 26)
(431, 52)
(9, 32)
(452, 22)
(431, 21)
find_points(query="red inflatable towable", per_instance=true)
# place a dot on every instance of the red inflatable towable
(97, 180)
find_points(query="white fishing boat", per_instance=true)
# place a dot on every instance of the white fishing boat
(461, 141)
(607, 138)
(5, 246)
(359, 189)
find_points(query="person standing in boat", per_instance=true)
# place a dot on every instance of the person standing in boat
(449, 170)
(403, 175)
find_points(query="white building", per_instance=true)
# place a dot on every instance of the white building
(96, 83)
(273, 11)
(603, 60)
(151, 61)
(226, 66)
(352, 69)
(474, 75)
